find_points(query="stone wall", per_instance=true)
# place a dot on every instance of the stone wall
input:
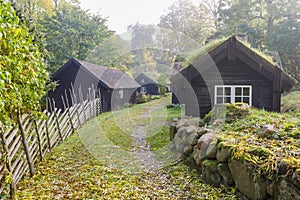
(214, 160)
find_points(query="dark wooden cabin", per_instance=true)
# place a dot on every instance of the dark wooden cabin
(115, 86)
(229, 72)
(148, 85)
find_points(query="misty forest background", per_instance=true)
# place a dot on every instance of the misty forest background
(65, 30)
(39, 36)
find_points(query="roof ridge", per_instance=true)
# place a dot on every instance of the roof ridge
(110, 68)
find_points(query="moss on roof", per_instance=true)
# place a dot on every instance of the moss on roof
(259, 53)
(194, 55)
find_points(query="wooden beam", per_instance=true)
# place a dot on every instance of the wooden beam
(256, 66)
(231, 49)
(255, 57)
(7, 162)
(277, 90)
(25, 146)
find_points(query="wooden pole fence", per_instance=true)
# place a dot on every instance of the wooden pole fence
(33, 138)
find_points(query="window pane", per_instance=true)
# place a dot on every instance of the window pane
(238, 99)
(246, 91)
(238, 91)
(227, 100)
(227, 91)
(143, 90)
(246, 100)
(121, 93)
(220, 91)
(219, 100)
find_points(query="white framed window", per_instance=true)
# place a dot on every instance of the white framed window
(143, 90)
(233, 94)
(121, 93)
(142, 80)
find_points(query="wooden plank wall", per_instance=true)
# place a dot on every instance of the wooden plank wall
(27, 143)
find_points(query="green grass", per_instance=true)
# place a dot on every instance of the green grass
(115, 134)
(158, 136)
(89, 165)
(118, 125)
(70, 172)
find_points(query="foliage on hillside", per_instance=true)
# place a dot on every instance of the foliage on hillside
(266, 140)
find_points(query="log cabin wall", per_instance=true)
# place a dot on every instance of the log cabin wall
(233, 72)
(72, 76)
(230, 63)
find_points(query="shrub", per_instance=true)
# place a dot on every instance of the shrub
(143, 98)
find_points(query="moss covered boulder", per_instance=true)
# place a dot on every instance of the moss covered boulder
(253, 188)
(210, 172)
(227, 113)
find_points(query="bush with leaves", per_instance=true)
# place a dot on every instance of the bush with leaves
(143, 98)
(23, 74)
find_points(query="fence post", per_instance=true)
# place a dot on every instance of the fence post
(57, 122)
(38, 138)
(69, 114)
(47, 124)
(75, 103)
(90, 102)
(25, 144)
(82, 103)
(8, 165)
(93, 101)
(98, 103)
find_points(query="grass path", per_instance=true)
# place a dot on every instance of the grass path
(141, 148)
(99, 162)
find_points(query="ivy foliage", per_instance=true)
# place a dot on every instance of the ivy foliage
(23, 75)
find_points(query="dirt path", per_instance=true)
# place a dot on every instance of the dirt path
(141, 149)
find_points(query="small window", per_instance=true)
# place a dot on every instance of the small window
(143, 90)
(142, 80)
(121, 93)
(233, 94)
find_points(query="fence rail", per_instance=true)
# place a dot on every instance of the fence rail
(24, 145)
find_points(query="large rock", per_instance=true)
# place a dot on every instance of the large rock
(185, 139)
(179, 143)
(190, 135)
(286, 191)
(225, 173)
(210, 172)
(254, 189)
(223, 153)
(205, 140)
(202, 130)
(187, 121)
(227, 113)
(199, 153)
(267, 131)
(211, 151)
(188, 149)
(296, 178)
(198, 156)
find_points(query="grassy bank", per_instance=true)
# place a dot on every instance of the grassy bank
(266, 140)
